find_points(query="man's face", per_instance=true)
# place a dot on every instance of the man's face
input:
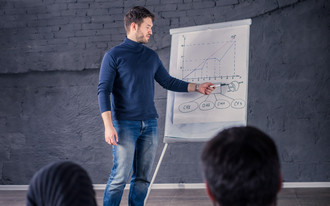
(144, 31)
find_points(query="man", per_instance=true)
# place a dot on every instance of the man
(127, 73)
(241, 167)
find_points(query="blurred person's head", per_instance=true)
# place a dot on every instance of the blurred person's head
(61, 183)
(241, 167)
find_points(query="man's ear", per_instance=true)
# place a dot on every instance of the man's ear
(133, 27)
(209, 193)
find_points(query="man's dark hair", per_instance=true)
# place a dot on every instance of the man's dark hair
(241, 167)
(136, 15)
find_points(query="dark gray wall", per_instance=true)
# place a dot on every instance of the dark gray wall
(49, 63)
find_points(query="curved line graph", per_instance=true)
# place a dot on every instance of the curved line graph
(225, 52)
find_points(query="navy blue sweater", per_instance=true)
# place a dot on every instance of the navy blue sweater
(127, 73)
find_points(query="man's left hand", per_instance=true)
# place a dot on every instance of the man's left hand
(205, 88)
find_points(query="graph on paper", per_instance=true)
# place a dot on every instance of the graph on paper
(218, 56)
(208, 65)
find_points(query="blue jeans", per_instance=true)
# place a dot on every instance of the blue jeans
(135, 151)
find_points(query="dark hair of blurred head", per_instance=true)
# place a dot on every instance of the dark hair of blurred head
(241, 167)
(61, 183)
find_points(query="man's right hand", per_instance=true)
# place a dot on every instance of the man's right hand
(110, 135)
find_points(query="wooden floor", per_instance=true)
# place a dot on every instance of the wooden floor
(198, 197)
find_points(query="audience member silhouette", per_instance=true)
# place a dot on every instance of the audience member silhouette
(241, 168)
(61, 183)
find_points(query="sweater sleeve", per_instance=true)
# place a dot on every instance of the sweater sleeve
(106, 80)
(169, 82)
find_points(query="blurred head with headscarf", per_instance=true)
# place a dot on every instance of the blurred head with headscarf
(61, 183)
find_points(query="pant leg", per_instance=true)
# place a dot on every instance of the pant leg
(123, 154)
(145, 151)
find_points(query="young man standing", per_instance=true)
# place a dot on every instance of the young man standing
(127, 74)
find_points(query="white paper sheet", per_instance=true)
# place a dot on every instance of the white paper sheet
(218, 56)
(216, 53)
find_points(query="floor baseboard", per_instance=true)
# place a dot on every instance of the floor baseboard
(186, 186)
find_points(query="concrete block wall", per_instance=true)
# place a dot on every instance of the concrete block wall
(50, 56)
